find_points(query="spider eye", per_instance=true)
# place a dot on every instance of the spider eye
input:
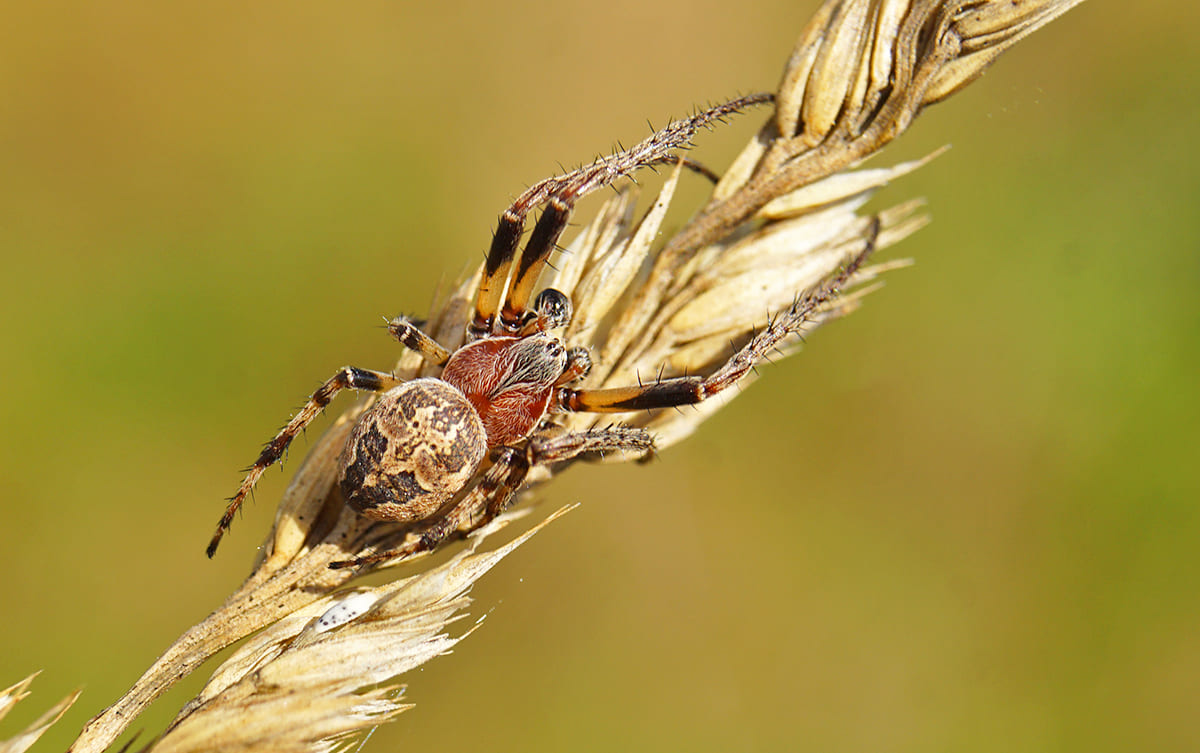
(553, 309)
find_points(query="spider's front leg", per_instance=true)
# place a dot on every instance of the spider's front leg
(495, 489)
(670, 393)
(559, 195)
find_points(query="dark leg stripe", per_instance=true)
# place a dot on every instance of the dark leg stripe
(541, 244)
(545, 234)
(504, 242)
(361, 379)
(495, 271)
(410, 336)
(672, 392)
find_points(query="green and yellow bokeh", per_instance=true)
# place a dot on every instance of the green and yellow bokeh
(965, 518)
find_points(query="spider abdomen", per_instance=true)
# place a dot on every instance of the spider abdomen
(411, 451)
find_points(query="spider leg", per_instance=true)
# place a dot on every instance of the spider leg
(667, 393)
(348, 377)
(544, 451)
(412, 337)
(701, 169)
(496, 488)
(559, 194)
(542, 241)
(496, 268)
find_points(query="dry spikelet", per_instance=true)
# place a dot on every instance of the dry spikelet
(785, 218)
(13, 695)
(299, 684)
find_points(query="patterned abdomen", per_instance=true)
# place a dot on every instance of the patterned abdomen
(412, 451)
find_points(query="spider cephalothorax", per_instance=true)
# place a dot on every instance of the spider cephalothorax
(420, 454)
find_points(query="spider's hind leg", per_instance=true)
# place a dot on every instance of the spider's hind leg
(491, 496)
(348, 377)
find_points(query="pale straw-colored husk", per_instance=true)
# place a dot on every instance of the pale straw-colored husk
(785, 216)
(24, 739)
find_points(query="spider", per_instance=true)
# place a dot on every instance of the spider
(413, 454)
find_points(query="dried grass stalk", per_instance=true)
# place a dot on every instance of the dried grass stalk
(299, 684)
(785, 218)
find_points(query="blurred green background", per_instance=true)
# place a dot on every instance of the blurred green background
(963, 519)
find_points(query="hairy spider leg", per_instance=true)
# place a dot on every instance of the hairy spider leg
(348, 377)
(542, 241)
(495, 270)
(669, 393)
(559, 194)
(412, 337)
(495, 489)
